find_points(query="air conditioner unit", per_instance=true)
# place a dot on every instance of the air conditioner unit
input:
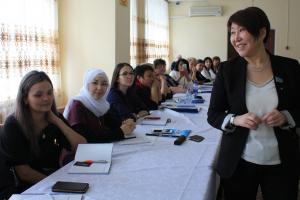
(205, 11)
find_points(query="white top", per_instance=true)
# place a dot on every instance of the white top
(262, 145)
(212, 74)
(175, 75)
(181, 80)
(206, 74)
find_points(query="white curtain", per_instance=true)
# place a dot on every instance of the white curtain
(149, 31)
(28, 41)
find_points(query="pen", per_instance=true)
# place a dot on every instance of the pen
(162, 135)
(95, 161)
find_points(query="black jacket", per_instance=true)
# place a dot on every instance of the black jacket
(228, 96)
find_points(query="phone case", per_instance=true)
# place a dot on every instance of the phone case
(73, 187)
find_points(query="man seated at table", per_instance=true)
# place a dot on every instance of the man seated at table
(147, 88)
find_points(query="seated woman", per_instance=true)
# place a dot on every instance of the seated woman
(35, 134)
(122, 98)
(193, 70)
(208, 71)
(216, 63)
(199, 77)
(182, 73)
(168, 85)
(146, 88)
(89, 114)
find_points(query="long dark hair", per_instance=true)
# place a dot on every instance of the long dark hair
(22, 112)
(184, 61)
(116, 74)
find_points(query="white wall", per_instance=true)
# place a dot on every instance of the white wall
(93, 33)
(207, 36)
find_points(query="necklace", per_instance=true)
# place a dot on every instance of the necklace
(256, 69)
(261, 68)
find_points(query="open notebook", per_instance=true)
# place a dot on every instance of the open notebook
(92, 159)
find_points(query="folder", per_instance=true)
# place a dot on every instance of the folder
(92, 159)
(154, 121)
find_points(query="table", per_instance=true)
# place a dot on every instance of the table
(156, 170)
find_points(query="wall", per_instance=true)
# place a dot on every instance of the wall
(91, 36)
(122, 45)
(207, 36)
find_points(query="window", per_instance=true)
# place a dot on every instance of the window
(28, 41)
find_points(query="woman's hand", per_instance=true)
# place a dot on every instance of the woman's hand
(128, 126)
(248, 120)
(274, 118)
(73, 137)
(142, 113)
(52, 118)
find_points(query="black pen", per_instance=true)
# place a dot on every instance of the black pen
(161, 135)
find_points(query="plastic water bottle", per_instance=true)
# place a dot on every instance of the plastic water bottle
(189, 94)
(195, 89)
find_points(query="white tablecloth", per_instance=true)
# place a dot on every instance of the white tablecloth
(156, 170)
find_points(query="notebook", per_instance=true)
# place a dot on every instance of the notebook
(92, 159)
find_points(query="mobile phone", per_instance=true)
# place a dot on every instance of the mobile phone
(163, 131)
(196, 138)
(82, 164)
(74, 187)
(167, 131)
(156, 130)
(184, 66)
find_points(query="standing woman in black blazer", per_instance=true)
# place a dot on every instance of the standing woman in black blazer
(256, 103)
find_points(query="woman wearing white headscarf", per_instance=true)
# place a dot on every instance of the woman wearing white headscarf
(89, 113)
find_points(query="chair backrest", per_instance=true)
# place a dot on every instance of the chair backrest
(6, 175)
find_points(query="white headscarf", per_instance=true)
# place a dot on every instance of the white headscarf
(98, 107)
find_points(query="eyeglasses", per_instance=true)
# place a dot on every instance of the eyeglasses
(126, 74)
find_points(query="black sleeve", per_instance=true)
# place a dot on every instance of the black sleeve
(218, 105)
(14, 145)
(111, 120)
(103, 135)
(119, 106)
(144, 97)
(63, 140)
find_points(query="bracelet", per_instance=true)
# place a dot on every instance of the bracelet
(232, 120)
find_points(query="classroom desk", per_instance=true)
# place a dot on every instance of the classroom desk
(156, 170)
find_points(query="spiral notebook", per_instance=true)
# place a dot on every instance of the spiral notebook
(92, 159)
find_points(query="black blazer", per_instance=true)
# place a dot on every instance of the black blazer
(228, 96)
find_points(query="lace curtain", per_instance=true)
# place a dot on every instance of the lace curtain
(149, 31)
(28, 41)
